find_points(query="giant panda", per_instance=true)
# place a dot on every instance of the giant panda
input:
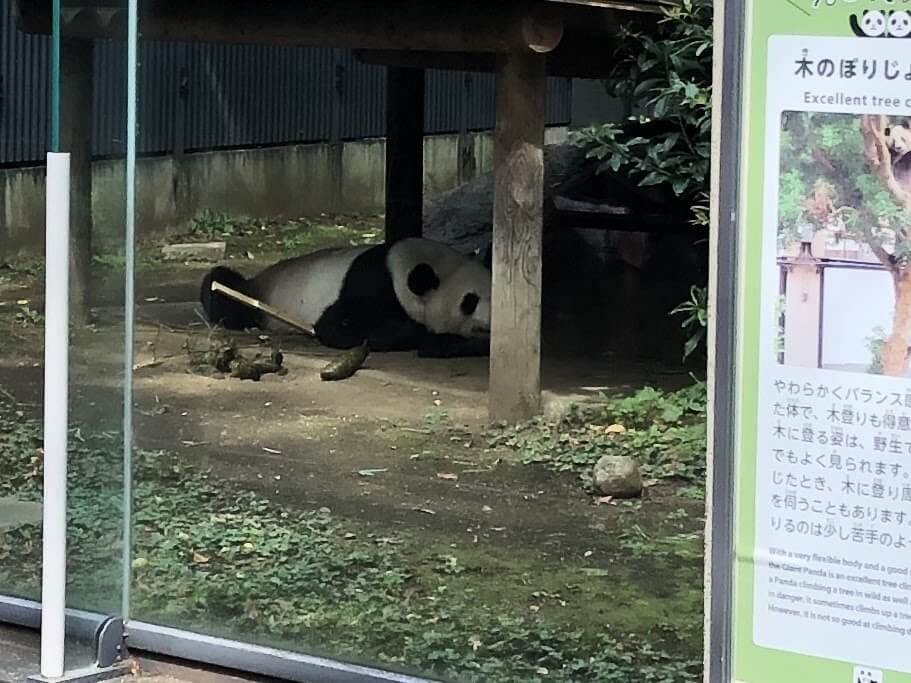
(415, 294)
(898, 138)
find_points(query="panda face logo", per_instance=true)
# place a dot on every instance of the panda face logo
(863, 674)
(873, 23)
(899, 24)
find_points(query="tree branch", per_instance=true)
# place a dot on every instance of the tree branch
(865, 220)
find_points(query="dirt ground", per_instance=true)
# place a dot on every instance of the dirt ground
(398, 447)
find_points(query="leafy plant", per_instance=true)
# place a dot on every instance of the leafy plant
(26, 316)
(208, 223)
(665, 431)
(875, 343)
(695, 322)
(668, 74)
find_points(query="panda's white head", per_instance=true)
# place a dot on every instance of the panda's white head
(873, 23)
(898, 138)
(447, 292)
(461, 303)
(899, 24)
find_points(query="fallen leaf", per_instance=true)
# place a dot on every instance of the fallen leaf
(199, 558)
(604, 500)
(426, 511)
(615, 429)
(448, 476)
(371, 473)
(272, 451)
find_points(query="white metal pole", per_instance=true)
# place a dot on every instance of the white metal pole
(56, 367)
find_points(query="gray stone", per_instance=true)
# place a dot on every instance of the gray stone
(618, 476)
(14, 512)
(198, 251)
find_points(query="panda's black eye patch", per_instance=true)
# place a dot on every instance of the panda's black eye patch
(422, 279)
(470, 303)
(887, 132)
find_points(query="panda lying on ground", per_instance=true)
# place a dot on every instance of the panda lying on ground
(415, 294)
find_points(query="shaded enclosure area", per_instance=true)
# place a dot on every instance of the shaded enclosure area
(379, 519)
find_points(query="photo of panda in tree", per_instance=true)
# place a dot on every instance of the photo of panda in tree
(844, 213)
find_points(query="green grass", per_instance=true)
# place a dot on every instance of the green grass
(213, 556)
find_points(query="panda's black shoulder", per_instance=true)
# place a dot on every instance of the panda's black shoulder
(368, 276)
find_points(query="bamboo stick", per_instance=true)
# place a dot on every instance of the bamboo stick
(265, 308)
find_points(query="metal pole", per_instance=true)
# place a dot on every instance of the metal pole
(56, 367)
(128, 304)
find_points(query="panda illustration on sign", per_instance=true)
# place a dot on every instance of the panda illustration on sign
(415, 294)
(899, 24)
(872, 24)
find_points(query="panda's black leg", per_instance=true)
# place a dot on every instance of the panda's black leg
(397, 333)
(453, 346)
(347, 324)
(341, 326)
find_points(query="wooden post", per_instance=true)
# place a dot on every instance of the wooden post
(76, 124)
(404, 153)
(515, 352)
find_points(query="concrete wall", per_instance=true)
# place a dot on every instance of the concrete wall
(297, 180)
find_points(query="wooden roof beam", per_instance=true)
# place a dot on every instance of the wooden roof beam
(430, 25)
(563, 64)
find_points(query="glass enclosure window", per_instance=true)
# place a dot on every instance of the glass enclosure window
(380, 519)
(81, 111)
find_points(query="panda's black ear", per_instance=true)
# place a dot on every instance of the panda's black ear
(422, 279)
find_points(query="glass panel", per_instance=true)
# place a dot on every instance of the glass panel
(379, 519)
(77, 108)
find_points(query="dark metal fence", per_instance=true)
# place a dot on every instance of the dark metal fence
(199, 97)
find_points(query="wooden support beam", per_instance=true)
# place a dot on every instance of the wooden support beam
(402, 24)
(76, 124)
(582, 58)
(404, 153)
(515, 353)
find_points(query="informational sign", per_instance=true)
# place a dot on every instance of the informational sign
(822, 530)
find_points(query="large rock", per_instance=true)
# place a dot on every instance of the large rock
(618, 476)
(463, 217)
